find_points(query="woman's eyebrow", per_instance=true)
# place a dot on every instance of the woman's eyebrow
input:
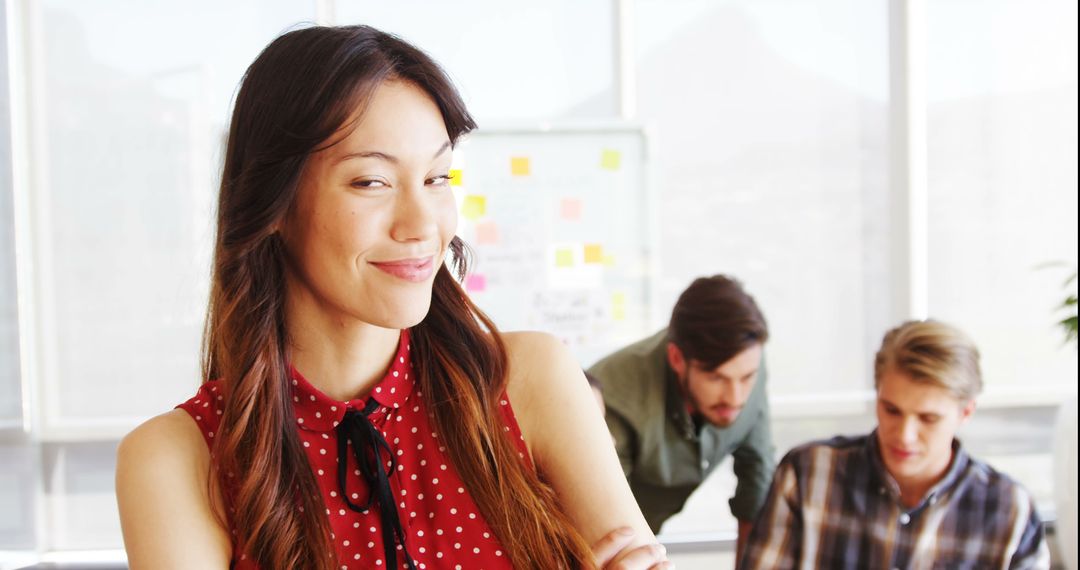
(386, 156)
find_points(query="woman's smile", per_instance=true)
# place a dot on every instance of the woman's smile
(415, 270)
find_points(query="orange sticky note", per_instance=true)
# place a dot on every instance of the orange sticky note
(519, 165)
(564, 257)
(455, 177)
(475, 282)
(475, 207)
(610, 159)
(487, 233)
(594, 253)
(570, 209)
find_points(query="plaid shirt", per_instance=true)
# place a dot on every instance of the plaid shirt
(833, 505)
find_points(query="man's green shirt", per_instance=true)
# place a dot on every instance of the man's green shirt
(663, 455)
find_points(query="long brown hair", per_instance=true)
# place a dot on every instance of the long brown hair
(303, 88)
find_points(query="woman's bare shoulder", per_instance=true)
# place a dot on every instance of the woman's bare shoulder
(542, 375)
(529, 339)
(525, 349)
(163, 491)
(165, 452)
(539, 365)
(170, 437)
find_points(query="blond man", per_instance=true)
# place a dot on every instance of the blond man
(908, 495)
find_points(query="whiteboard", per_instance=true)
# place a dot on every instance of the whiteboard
(559, 223)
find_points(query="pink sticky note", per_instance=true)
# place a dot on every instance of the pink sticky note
(475, 282)
(487, 233)
(570, 209)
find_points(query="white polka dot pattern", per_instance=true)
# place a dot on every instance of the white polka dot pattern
(443, 527)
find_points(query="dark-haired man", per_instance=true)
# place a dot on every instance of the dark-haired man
(682, 400)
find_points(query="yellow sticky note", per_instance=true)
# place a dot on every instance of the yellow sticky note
(519, 165)
(594, 253)
(475, 207)
(609, 260)
(618, 306)
(610, 159)
(487, 233)
(564, 257)
(570, 209)
(455, 177)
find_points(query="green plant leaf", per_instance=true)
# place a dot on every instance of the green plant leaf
(1069, 324)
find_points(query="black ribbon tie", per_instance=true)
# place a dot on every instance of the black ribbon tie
(368, 445)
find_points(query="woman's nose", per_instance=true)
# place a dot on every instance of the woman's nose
(415, 216)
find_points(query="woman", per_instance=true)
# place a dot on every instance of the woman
(359, 410)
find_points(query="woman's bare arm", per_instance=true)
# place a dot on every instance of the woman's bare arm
(161, 487)
(571, 447)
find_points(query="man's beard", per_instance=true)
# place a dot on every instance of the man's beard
(695, 408)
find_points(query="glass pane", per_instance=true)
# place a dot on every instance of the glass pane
(10, 398)
(80, 496)
(770, 135)
(1002, 87)
(512, 60)
(131, 106)
(18, 487)
(769, 123)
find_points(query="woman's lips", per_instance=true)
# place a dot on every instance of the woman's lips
(413, 270)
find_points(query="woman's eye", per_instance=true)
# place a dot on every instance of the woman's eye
(367, 184)
(441, 180)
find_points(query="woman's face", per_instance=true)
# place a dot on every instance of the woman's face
(374, 216)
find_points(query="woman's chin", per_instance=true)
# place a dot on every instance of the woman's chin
(403, 316)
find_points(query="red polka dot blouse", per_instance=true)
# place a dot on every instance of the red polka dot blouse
(438, 521)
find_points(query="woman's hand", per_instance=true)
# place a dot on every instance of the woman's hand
(613, 553)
